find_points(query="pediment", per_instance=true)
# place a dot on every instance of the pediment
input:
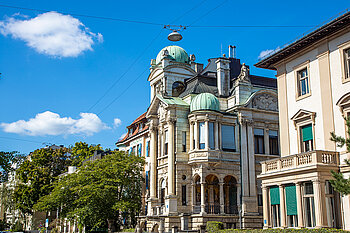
(263, 100)
(344, 102)
(303, 115)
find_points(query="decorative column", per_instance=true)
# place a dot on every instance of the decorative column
(193, 195)
(266, 141)
(222, 199)
(219, 139)
(202, 195)
(191, 136)
(244, 156)
(266, 206)
(251, 162)
(299, 204)
(171, 158)
(320, 203)
(282, 207)
(216, 140)
(153, 163)
(206, 135)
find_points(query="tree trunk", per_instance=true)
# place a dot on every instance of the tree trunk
(111, 225)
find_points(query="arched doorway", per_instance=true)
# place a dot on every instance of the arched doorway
(212, 195)
(230, 195)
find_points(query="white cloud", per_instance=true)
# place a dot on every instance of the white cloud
(49, 123)
(117, 122)
(267, 52)
(52, 33)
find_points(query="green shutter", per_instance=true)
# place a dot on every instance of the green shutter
(291, 200)
(275, 196)
(307, 132)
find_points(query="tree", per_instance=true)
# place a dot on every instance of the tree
(37, 174)
(8, 161)
(82, 151)
(100, 192)
(341, 184)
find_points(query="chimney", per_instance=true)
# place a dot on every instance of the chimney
(223, 76)
(232, 51)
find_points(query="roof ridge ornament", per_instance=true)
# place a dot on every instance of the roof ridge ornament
(243, 77)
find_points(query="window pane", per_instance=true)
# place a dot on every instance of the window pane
(211, 135)
(273, 133)
(201, 135)
(166, 136)
(228, 137)
(308, 188)
(184, 141)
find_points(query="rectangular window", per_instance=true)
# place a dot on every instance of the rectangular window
(275, 206)
(166, 142)
(309, 205)
(330, 205)
(291, 205)
(259, 141)
(307, 138)
(273, 142)
(201, 135)
(184, 200)
(347, 63)
(303, 82)
(211, 136)
(183, 141)
(147, 179)
(228, 137)
(147, 149)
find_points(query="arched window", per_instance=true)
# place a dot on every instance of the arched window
(177, 88)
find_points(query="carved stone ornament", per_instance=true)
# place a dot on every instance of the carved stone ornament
(265, 102)
(162, 112)
(244, 75)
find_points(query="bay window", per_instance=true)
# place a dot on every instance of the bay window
(202, 135)
(211, 136)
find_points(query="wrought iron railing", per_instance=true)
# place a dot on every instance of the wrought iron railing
(212, 209)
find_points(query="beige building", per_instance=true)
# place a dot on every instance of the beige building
(208, 129)
(314, 97)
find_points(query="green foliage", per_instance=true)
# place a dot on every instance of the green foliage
(18, 226)
(128, 230)
(213, 226)
(340, 184)
(7, 160)
(37, 174)
(101, 190)
(82, 151)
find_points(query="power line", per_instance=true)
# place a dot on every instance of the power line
(199, 4)
(83, 15)
(160, 24)
(127, 70)
(130, 85)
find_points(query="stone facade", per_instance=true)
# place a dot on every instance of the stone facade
(202, 160)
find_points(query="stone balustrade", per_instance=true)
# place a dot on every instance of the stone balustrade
(316, 157)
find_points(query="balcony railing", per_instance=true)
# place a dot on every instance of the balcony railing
(316, 157)
(212, 209)
(196, 209)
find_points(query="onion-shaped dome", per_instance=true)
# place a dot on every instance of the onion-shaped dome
(175, 53)
(205, 101)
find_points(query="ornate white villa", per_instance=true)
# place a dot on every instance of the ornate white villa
(203, 136)
(313, 79)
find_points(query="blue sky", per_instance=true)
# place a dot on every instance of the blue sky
(56, 66)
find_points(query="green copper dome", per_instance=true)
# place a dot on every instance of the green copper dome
(176, 53)
(205, 101)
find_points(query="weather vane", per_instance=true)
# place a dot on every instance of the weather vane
(175, 35)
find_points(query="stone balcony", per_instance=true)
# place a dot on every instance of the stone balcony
(212, 156)
(307, 160)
